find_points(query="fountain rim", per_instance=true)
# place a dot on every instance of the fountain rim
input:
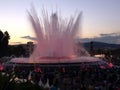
(43, 60)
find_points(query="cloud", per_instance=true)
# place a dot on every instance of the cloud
(109, 34)
(14, 43)
(28, 37)
(113, 38)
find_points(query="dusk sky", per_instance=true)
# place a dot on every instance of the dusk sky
(100, 19)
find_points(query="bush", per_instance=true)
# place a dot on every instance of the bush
(7, 82)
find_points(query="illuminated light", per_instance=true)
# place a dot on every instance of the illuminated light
(1, 67)
(100, 55)
(63, 69)
(102, 67)
(38, 69)
(110, 65)
(86, 67)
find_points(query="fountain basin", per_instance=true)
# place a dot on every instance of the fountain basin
(55, 64)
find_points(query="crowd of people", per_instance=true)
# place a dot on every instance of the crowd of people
(90, 79)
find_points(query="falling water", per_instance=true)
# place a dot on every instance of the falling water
(55, 35)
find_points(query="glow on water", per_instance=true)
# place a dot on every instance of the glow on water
(55, 35)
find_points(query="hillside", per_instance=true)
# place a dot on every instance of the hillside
(101, 45)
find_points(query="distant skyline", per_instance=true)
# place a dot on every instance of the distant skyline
(101, 18)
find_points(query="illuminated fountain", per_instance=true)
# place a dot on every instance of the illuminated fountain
(55, 42)
(55, 37)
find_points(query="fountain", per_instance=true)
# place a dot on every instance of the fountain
(55, 44)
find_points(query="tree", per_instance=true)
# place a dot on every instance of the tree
(4, 40)
(1, 49)
(19, 50)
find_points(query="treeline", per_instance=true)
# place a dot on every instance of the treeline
(18, 50)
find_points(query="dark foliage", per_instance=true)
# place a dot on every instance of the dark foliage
(4, 40)
(7, 82)
(16, 50)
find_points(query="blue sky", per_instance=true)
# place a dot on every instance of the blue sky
(99, 16)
